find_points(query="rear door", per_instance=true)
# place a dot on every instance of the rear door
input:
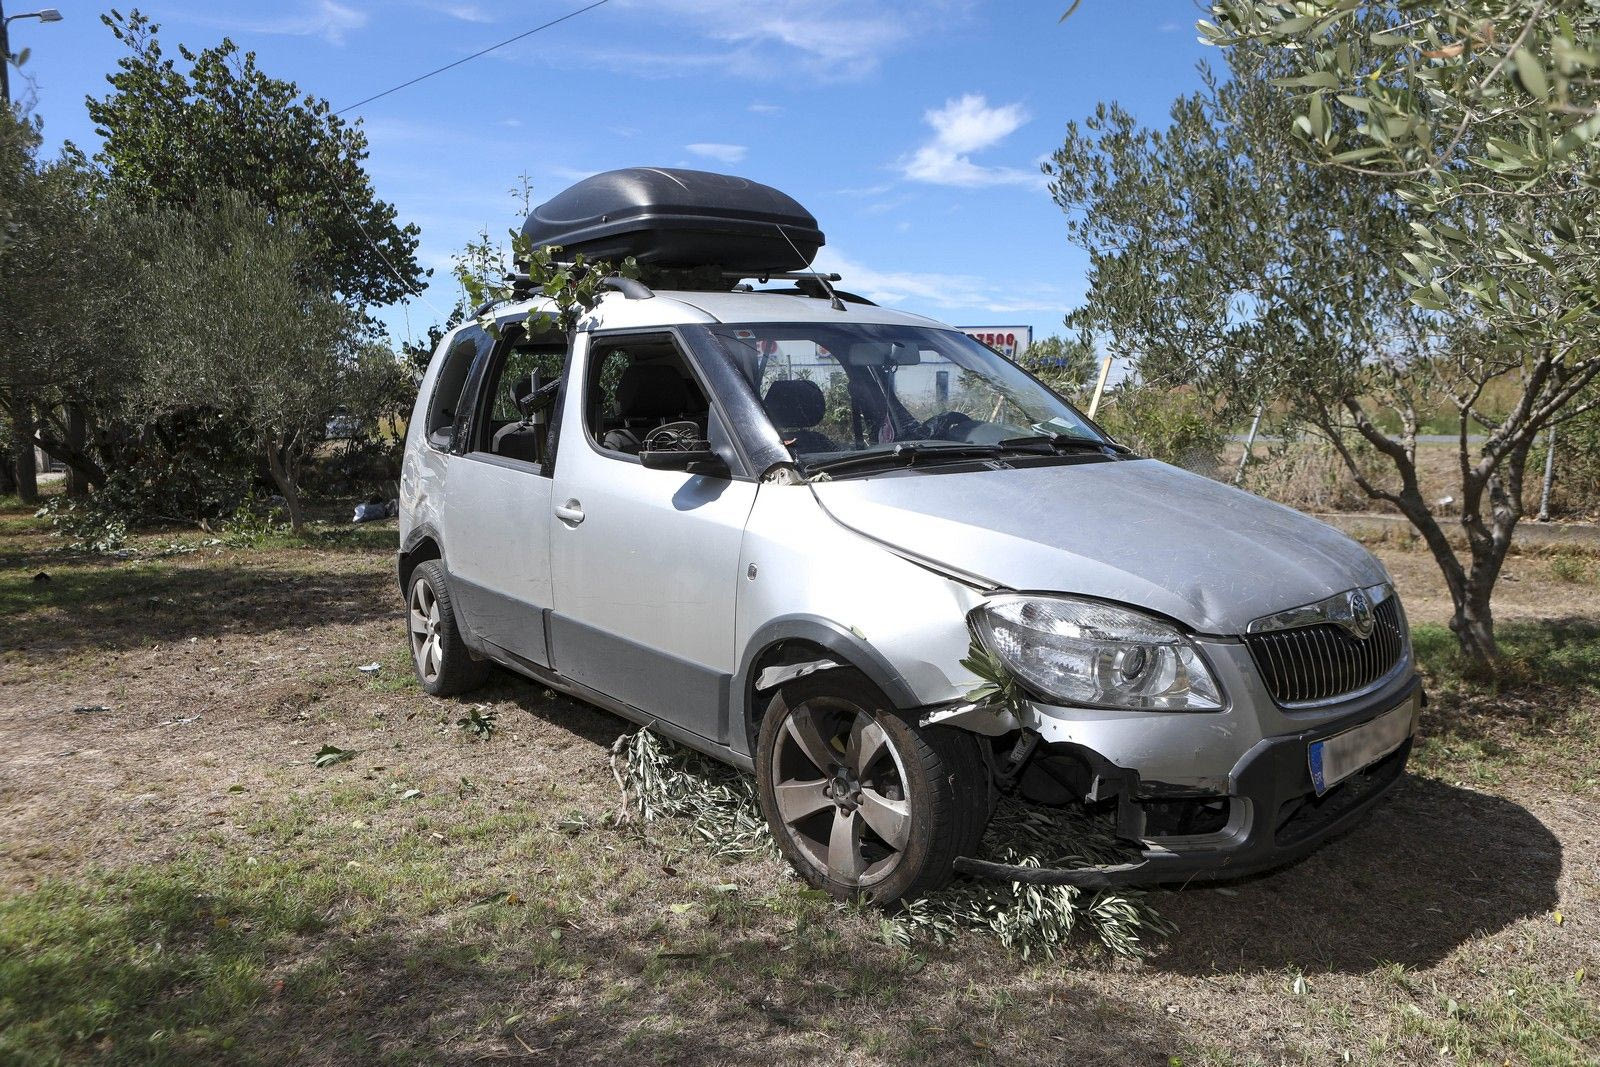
(644, 562)
(498, 504)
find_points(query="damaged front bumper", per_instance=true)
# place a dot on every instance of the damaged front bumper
(1221, 796)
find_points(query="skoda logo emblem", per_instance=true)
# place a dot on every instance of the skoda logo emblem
(1359, 621)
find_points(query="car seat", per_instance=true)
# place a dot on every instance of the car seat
(796, 407)
(649, 394)
(520, 440)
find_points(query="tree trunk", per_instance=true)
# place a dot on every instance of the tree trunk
(22, 457)
(67, 440)
(8, 474)
(1473, 625)
(77, 436)
(286, 486)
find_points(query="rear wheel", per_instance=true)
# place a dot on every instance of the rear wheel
(861, 801)
(443, 664)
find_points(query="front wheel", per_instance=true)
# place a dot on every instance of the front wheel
(861, 801)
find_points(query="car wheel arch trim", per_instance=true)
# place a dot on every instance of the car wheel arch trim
(844, 648)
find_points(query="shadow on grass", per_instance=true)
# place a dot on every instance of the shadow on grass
(1433, 867)
(1549, 652)
(138, 604)
(187, 964)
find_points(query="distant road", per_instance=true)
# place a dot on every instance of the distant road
(1422, 438)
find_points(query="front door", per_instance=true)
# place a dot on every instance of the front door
(644, 562)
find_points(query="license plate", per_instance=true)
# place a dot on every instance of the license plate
(1333, 759)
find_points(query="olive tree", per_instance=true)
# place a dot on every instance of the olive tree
(230, 325)
(1229, 255)
(1483, 118)
(64, 291)
(175, 132)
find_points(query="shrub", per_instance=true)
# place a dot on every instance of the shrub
(1174, 426)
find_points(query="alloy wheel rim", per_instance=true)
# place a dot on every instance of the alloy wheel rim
(841, 792)
(427, 647)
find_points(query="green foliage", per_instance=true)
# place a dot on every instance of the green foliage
(479, 722)
(328, 755)
(573, 285)
(1577, 466)
(1067, 365)
(173, 137)
(1495, 103)
(660, 779)
(1173, 425)
(997, 686)
(1241, 252)
(63, 270)
(89, 526)
(265, 350)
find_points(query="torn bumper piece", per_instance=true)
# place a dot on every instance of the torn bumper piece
(1278, 818)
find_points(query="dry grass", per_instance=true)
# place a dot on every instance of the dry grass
(1311, 476)
(180, 883)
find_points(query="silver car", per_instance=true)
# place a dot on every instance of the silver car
(773, 525)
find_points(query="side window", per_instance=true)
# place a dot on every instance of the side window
(518, 398)
(449, 390)
(639, 386)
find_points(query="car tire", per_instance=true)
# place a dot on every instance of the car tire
(443, 664)
(861, 800)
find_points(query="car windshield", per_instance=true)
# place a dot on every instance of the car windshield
(839, 393)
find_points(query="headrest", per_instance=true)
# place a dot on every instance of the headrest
(796, 404)
(651, 391)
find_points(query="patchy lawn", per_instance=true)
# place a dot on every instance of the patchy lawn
(179, 881)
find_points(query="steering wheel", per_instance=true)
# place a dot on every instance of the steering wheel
(948, 426)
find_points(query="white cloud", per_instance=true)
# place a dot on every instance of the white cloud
(326, 19)
(722, 153)
(463, 12)
(866, 190)
(832, 40)
(962, 127)
(760, 108)
(931, 290)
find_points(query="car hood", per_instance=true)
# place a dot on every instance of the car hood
(1135, 531)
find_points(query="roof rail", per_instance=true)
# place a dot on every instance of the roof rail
(632, 288)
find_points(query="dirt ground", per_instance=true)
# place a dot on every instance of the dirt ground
(180, 882)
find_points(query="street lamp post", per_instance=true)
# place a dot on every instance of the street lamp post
(48, 14)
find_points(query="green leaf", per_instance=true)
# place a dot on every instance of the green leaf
(1355, 155)
(1319, 79)
(328, 755)
(1429, 298)
(1317, 112)
(1531, 73)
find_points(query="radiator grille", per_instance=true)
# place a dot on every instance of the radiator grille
(1309, 664)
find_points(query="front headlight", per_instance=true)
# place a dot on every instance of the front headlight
(1083, 652)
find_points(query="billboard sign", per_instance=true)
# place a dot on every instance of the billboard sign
(1009, 341)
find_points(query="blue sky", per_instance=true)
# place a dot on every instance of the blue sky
(912, 130)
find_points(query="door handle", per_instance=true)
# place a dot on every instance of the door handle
(570, 513)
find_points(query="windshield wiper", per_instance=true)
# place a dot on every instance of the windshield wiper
(1064, 442)
(905, 454)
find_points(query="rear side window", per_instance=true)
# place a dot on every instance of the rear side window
(448, 404)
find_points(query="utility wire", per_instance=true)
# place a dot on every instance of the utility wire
(468, 59)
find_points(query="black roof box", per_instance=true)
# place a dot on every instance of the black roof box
(679, 219)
